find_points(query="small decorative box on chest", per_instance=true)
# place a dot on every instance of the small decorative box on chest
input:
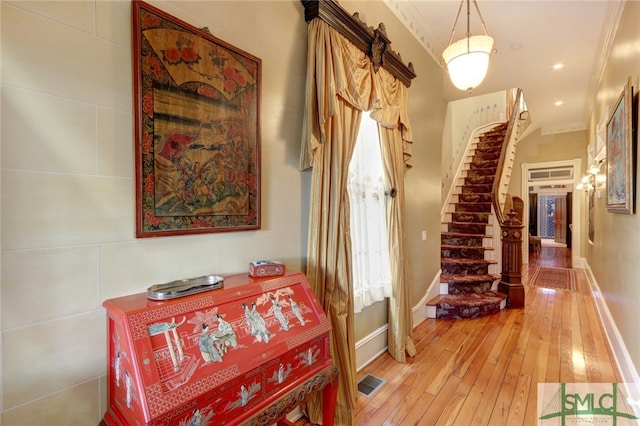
(247, 353)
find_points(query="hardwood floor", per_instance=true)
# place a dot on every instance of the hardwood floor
(559, 257)
(485, 371)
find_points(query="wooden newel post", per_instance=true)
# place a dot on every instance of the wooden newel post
(511, 280)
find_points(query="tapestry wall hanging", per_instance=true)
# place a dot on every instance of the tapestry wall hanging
(197, 137)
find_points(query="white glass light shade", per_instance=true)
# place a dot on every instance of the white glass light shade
(468, 60)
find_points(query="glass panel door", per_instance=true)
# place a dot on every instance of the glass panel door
(560, 219)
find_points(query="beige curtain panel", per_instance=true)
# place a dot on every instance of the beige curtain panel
(341, 84)
(336, 69)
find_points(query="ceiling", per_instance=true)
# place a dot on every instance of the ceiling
(530, 37)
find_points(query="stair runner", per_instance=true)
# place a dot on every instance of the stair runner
(465, 269)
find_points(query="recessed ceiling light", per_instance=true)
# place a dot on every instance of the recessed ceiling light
(558, 66)
(558, 103)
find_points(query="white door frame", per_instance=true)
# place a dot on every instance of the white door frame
(576, 205)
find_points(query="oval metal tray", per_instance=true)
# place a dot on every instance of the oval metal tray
(186, 287)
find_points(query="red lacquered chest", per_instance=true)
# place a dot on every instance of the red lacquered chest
(244, 354)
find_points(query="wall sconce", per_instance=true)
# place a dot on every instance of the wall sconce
(593, 170)
(586, 183)
(593, 179)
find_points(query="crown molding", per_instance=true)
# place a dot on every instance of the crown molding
(611, 23)
(412, 20)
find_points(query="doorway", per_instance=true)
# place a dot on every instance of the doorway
(551, 210)
(550, 219)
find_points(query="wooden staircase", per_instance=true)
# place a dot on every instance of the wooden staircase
(469, 269)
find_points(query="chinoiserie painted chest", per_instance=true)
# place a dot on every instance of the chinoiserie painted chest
(247, 353)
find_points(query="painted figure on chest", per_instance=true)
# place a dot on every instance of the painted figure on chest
(207, 348)
(256, 323)
(277, 311)
(296, 310)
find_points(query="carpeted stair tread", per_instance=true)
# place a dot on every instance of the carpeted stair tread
(460, 251)
(464, 217)
(475, 299)
(480, 207)
(455, 246)
(464, 234)
(485, 149)
(489, 142)
(463, 306)
(480, 188)
(466, 223)
(479, 180)
(486, 156)
(488, 145)
(471, 197)
(471, 267)
(473, 217)
(465, 261)
(473, 203)
(481, 170)
(467, 279)
(467, 227)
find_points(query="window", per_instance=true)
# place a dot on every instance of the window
(371, 265)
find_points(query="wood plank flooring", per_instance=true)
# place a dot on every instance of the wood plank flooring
(485, 371)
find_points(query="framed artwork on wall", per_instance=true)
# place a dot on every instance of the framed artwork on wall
(620, 158)
(197, 129)
(592, 226)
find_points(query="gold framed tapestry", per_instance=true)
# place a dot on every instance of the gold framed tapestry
(197, 129)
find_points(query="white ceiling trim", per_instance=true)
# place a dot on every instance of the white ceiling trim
(407, 14)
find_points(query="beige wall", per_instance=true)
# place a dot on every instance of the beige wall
(613, 258)
(538, 148)
(68, 189)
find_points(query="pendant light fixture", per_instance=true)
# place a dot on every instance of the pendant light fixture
(467, 59)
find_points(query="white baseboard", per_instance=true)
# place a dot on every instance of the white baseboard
(375, 344)
(620, 352)
(579, 262)
(432, 312)
(421, 310)
(371, 347)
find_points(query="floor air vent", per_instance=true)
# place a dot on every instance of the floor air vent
(369, 385)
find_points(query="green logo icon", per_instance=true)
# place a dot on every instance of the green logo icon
(601, 403)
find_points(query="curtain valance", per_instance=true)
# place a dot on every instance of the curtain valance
(338, 68)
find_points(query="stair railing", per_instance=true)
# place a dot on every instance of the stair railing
(508, 244)
(518, 122)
